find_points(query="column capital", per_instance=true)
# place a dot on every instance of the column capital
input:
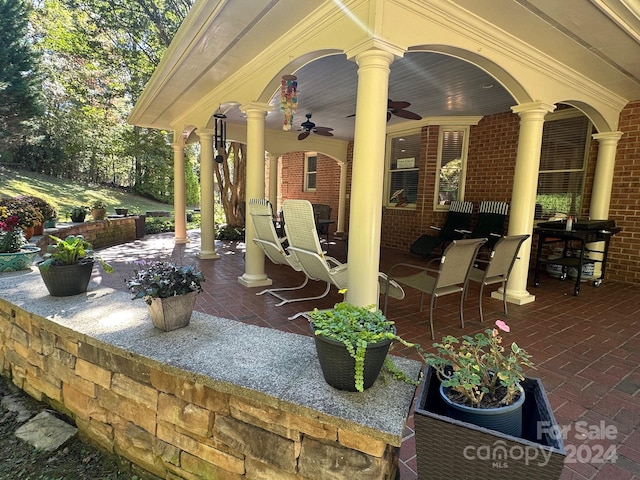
(256, 108)
(205, 133)
(607, 137)
(533, 109)
(375, 46)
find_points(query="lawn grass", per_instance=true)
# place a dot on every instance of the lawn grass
(63, 193)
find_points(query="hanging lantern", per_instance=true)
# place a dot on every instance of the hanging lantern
(288, 99)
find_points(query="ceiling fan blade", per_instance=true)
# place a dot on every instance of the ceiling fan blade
(303, 135)
(407, 114)
(323, 128)
(349, 116)
(388, 116)
(397, 105)
(324, 133)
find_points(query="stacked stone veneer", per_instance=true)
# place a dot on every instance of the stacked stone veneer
(170, 422)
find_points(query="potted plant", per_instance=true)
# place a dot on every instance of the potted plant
(47, 210)
(15, 253)
(99, 210)
(122, 211)
(352, 344)
(484, 376)
(28, 215)
(78, 213)
(169, 291)
(67, 265)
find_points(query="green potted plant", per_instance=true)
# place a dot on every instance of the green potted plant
(98, 210)
(15, 253)
(67, 264)
(78, 213)
(47, 210)
(28, 215)
(352, 344)
(466, 383)
(169, 290)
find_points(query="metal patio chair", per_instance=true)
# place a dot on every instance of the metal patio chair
(458, 222)
(304, 245)
(273, 247)
(490, 223)
(498, 267)
(451, 275)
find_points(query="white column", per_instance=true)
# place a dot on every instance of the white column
(342, 197)
(179, 194)
(367, 179)
(601, 191)
(273, 180)
(523, 197)
(254, 275)
(207, 197)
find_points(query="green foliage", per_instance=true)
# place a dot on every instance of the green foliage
(72, 250)
(227, 232)
(565, 203)
(163, 280)
(357, 327)
(192, 183)
(477, 367)
(20, 82)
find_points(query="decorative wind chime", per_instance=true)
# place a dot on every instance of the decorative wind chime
(288, 99)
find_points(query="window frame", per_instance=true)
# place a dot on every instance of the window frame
(466, 129)
(308, 173)
(391, 135)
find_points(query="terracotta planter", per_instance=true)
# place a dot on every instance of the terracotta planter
(67, 280)
(21, 260)
(173, 312)
(38, 229)
(28, 232)
(447, 448)
(99, 213)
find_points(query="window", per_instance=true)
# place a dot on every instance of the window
(565, 145)
(310, 171)
(453, 143)
(403, 161)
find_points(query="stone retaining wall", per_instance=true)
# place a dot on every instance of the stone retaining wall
(176, 424)
(100, 233)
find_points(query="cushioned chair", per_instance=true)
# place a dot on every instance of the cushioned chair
(458, 222)
(498, 267)
(304, 245)
(274, 248)
(490, 223)
(450, 276)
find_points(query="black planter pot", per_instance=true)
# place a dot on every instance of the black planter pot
(78, 217)
(338, 367)
(447, 448)
(67, 280)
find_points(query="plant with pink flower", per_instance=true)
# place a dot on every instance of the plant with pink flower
(11, 234)
(479, 371)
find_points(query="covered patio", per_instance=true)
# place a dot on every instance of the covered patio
(586, 348)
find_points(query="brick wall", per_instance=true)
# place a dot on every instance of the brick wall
(491, 165)
(100, 233)
(171, 423)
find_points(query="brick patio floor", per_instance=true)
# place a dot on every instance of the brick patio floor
(586, 348)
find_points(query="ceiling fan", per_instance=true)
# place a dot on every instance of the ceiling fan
(309, 127)
(398, 109)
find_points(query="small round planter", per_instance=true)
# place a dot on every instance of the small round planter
(507, 419)
(21, 260)
(172, 313)
(122, 211)
(78, 217)
(67, 280)
(338, 367)
(51, 223)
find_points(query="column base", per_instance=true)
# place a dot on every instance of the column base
(518, 298)
(251, 281)
(180, 240)
(208, 255)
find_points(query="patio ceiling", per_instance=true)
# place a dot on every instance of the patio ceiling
(598, 39)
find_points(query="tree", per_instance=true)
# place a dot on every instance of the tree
(230, 175)
(20, 82)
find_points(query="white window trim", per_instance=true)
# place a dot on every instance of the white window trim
(307, 172)
(391, 134)
(463, 175)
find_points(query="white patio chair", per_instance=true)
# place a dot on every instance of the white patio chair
(304, 245)
(267, 239)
